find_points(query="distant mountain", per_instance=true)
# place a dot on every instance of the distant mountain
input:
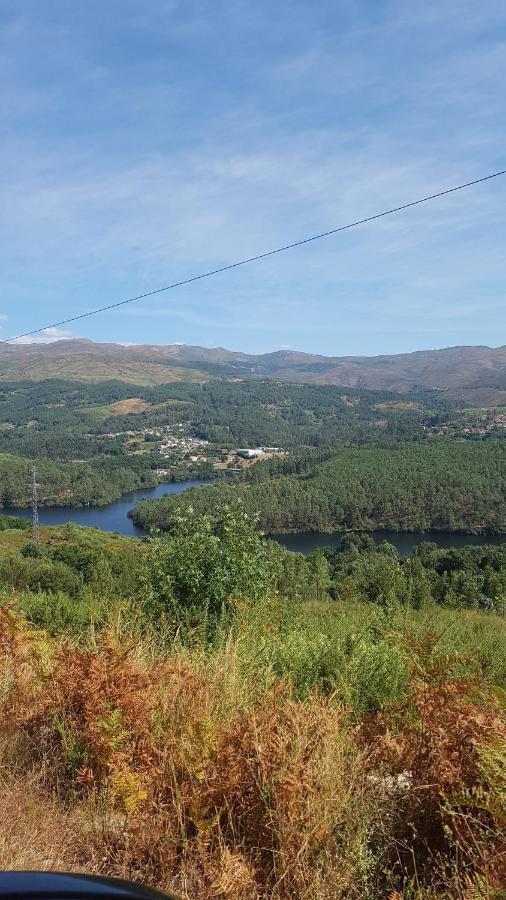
(474, 374)
(82, 360)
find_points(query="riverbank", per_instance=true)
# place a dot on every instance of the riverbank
(110, 517)
(116, 517)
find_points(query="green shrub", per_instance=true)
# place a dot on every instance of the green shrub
(192, 576)
(348, 651)
(8, 522)
(38, 574)
(60, 614)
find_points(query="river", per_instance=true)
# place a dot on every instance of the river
(114, 517)
(404, 541)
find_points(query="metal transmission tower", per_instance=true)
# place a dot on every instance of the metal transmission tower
(35, 508)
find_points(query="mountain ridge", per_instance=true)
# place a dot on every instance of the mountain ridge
(476, 373)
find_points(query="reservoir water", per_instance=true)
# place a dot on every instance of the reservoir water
(404, 541)
(114, 517)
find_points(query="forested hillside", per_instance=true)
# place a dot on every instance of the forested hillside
(96, 482)
(93, 442)
(448, 486)
(224, 412)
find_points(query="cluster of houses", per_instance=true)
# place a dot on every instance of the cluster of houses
(114, 434)
(475, 425)
(175, 441)
(184, 445)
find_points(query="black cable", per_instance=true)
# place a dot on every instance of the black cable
(244, 262)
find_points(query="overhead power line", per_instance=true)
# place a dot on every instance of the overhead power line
(259, 256)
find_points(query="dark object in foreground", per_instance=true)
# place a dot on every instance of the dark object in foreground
(62, 886)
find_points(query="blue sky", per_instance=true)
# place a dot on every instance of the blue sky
(143, 141)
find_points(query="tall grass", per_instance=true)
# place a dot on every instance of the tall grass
(288, 761)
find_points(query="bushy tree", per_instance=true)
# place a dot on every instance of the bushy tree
(418, 583)
(193, 576)
(381, 580)
(319, 573)
(38, 574)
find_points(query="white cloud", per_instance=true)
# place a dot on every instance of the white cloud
(47, 336)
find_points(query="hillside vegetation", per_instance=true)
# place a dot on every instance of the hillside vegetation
(93, 442)
(96, 482)
(225, 413)
(88, 362)
(211, 714)
(447, 486)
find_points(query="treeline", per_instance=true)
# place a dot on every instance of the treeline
(446, 486)
(472, 577)
(209, 562)
(72, 484)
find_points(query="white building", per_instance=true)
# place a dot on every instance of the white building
(249, 453)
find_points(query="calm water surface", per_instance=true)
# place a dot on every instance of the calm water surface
(306, 542)
(114, 517)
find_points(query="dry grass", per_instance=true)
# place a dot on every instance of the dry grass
(165, 772)
(90, 368)
(36, 833)
(130, 405)
(447, 750)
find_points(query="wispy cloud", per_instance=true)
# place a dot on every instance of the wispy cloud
(148, 153)
(47, 336)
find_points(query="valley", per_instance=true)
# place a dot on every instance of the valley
(169, 666)
(253, 450)
(94, 441)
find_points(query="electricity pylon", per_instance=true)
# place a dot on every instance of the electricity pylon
(35, 508)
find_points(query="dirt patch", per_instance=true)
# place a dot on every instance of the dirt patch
(397, 404)
(131, 405)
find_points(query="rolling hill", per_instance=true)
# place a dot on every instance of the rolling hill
(476, 375)
(81, 360)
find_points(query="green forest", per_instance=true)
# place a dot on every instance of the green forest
(94, 442)
(446, 486)
(224, 412)
(94, 482)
